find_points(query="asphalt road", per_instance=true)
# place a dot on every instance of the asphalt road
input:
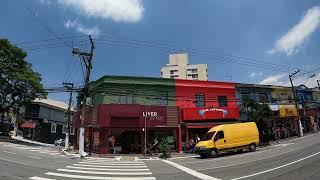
(297, 159)
(294, 159)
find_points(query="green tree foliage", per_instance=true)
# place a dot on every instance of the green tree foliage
(19, 84)
(257, 112)
(164, 148)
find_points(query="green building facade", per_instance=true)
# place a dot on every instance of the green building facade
(133, 90)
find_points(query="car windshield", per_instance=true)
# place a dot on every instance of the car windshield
(209, 135)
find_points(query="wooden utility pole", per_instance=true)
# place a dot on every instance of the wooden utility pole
(87, 59)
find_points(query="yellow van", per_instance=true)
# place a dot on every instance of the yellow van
(229, 137)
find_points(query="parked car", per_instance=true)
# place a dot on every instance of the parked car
(59, 142)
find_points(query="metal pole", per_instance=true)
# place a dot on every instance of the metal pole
(145, 135)
(297, 106)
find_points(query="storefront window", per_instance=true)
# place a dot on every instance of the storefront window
(163, 98)
(126, 99)
(200, 100)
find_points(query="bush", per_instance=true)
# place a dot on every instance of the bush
(164, 149)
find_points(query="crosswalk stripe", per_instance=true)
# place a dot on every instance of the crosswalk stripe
(105, 169)
(40, 178)
(114, 163)
(108, 166)
(98, 177)
(104, 173)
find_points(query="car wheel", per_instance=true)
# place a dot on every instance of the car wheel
(252, 148)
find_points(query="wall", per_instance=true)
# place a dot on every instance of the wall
(282, 95)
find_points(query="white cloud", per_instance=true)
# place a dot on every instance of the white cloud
(81, 28)
(278, 79)
(283, 80)
(117, 10)
(297, 35)
(255, 74)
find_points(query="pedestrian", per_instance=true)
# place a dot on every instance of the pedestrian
(112, 141)
(192, 145)
(278, 135)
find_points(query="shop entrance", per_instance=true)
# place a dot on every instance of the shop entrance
(130, 142)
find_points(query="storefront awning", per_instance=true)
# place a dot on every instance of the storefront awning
(206, 125)
(29, 125)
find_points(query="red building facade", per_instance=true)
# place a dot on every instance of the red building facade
(204, 104)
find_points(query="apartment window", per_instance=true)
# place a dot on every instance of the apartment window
(161, 73)
(200, 100)
(65, 115)
(126, 99)
(263, 98)
(194, 75)
(53, 128)
(163, 98)
(173, 71)
(222, 100)
(173, 76)
(64, 129)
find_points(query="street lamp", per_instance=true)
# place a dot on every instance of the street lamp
(309, 78)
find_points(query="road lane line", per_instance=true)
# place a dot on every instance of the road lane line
(190, 171)
(15, 162)
(106, 169)
(108, 166)
(105, 173)
(40, 178)
(116, 162)
(8, 152)
(184, 157)
(34, 157)
(98, 177)
(269, 170)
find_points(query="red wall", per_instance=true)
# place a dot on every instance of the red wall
(187, 89)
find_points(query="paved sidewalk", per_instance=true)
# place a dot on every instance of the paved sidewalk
(19, 138)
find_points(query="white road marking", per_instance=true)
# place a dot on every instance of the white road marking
(108, 166)
(190, 171)
(113, 163)
(14, 162)
(98, 177)
(106, 169)
(40, 178)
(8, 152)
(269, 170)
(34, 157)
(184, 157)
(104, 173)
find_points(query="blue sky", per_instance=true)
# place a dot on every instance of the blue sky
(135, 37)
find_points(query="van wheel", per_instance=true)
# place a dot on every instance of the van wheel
(252, 148)
(214, 153)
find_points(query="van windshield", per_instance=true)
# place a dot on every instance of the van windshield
(209, 135)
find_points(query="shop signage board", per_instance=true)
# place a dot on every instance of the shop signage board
(287, 111)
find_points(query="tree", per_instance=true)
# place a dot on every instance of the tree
(257, 112)
(19, 84)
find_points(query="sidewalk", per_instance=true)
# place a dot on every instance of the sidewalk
(19, 138)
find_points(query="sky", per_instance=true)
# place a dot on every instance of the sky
(252, 41)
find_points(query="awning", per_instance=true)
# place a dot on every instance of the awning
(273, 107)
(206, 125)
(29, 125)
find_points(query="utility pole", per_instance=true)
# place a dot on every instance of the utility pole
(296, 102)
(87, 59)
(69, 86)
(318, 84)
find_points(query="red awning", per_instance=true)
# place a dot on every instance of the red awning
(28, 125)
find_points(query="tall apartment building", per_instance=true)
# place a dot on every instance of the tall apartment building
(179, 68)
